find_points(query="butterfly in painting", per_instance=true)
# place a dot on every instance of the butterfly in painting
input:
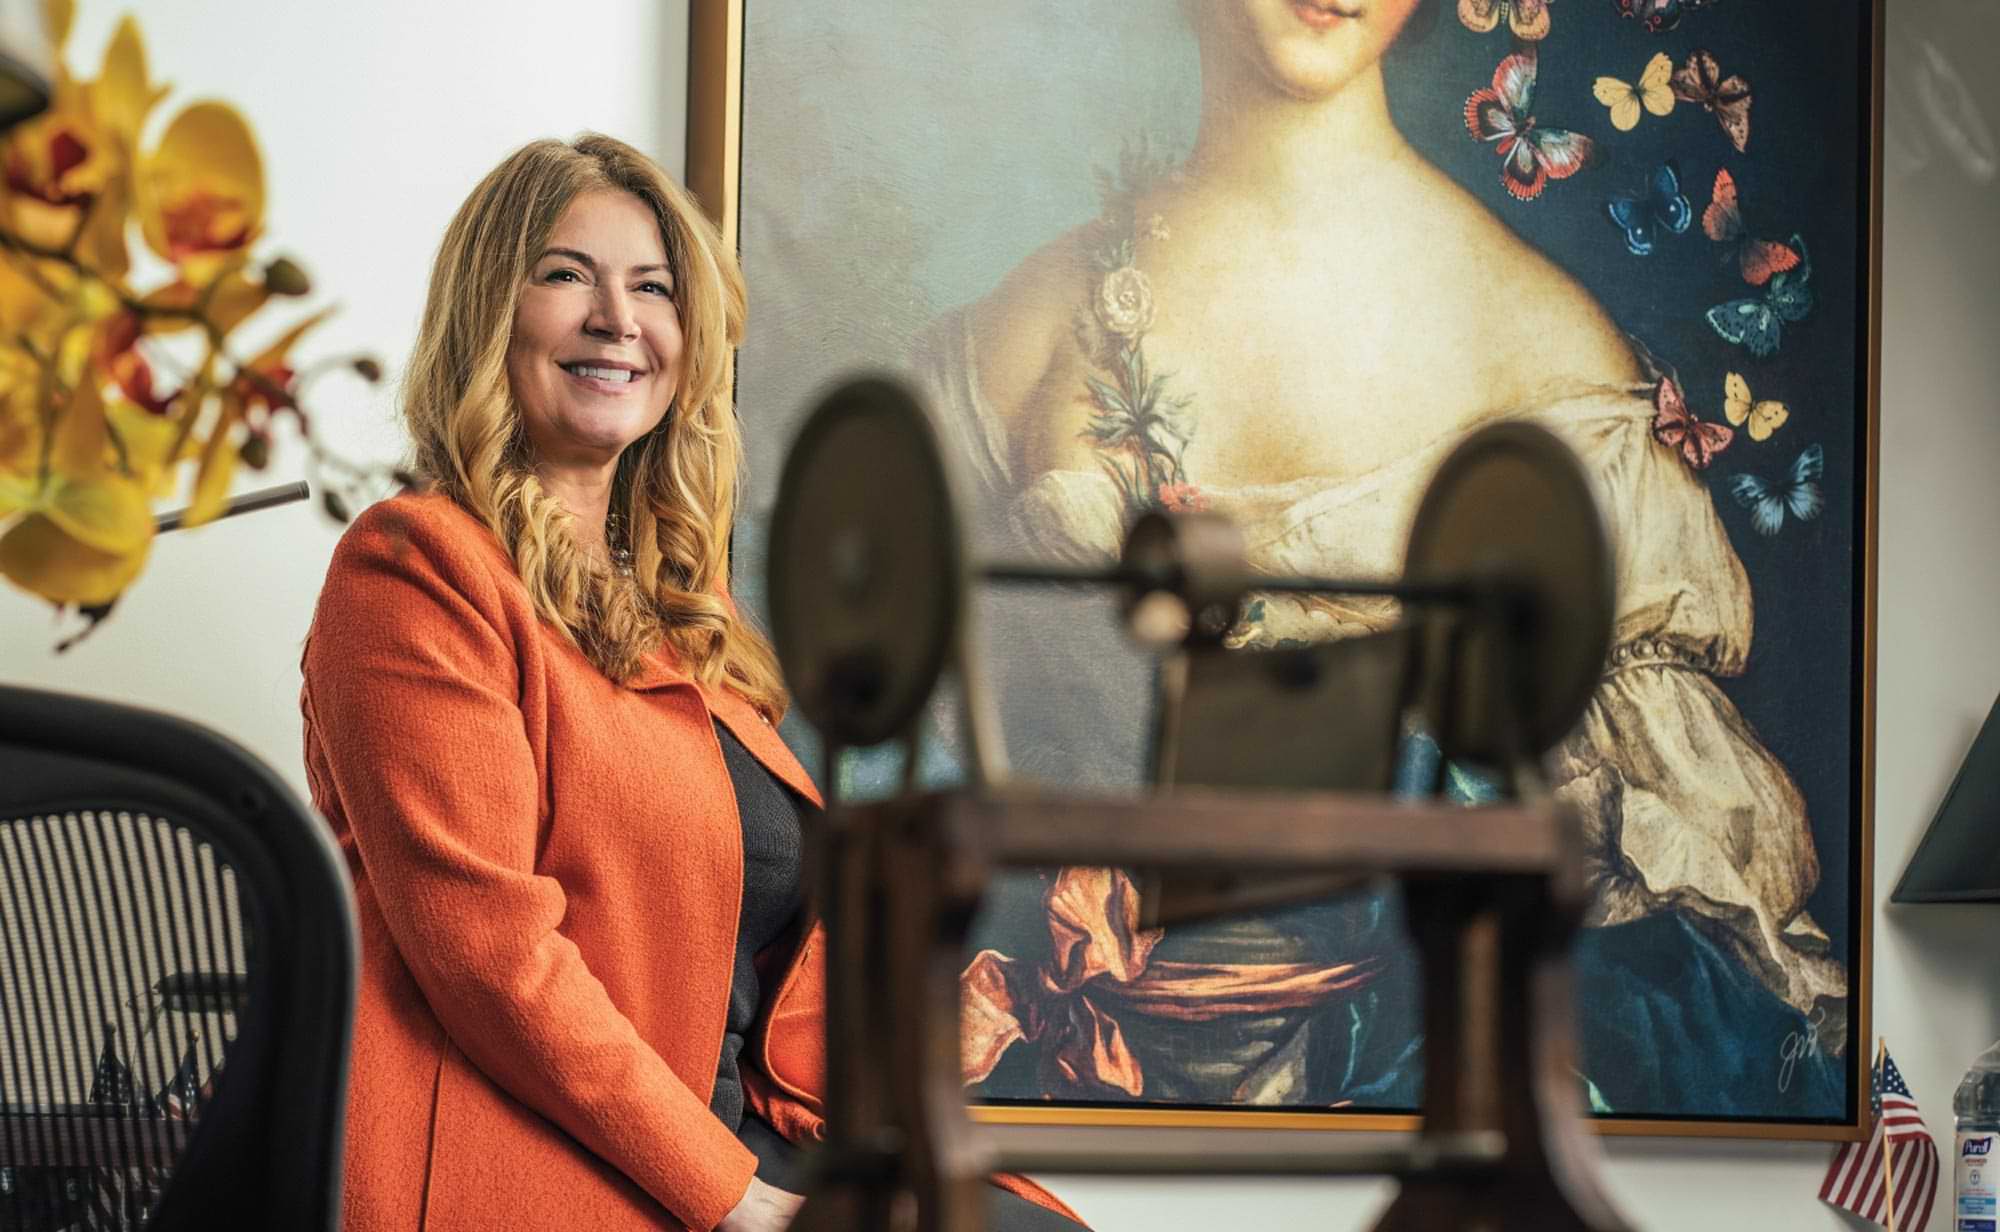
(1528, 19)
(1699, 80)
(1722, 221)
(1763, 417)
(1530, 155)
(1626, 100)
(1797, 493)
(1658, 16)
(1661, 204)
(1676, 427)
(1757, 323)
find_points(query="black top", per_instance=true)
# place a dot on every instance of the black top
(773, 851)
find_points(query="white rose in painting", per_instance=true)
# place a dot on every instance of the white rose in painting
(1125, 302)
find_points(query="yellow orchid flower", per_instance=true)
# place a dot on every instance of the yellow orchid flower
(272, 367)
(261, 387)
(64, 172)
(90, 434)
(18, 374)
(82, 529)
(68, 171)
(201, 192)
(123, 95)
(30, 293)
(58, 16)
(20, 433)
(38, 557)
(150, 446)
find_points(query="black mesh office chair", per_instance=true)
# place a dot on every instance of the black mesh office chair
(177, 969)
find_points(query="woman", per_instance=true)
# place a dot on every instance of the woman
(545, 740)
(1277, 329)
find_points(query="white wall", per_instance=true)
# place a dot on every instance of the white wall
(377, 116)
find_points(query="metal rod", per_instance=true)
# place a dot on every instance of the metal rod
(1114, 1153)
(1015, 573)
(249, 502)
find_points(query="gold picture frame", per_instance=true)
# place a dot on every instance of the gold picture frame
(717, 148)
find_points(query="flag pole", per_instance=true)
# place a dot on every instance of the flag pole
(1888, 1172)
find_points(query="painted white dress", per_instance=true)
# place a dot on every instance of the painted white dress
(1685, 809)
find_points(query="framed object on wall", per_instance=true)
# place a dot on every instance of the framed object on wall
(1274, 258)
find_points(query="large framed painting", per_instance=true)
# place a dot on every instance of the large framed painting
(1273, 258)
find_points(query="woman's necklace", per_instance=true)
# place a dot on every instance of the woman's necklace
(618, 543)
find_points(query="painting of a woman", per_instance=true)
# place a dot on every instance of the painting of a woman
(1292, 322)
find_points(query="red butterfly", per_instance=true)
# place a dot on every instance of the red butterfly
(1700, 80)
(1758, 259)
(1504, 113)
(1676, 427)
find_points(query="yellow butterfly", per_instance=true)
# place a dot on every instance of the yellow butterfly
(1765, 417)
(1528, 19)
(1654, 93)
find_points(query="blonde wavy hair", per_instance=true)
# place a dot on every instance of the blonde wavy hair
(676, 487)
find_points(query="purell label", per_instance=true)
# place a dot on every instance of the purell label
(1977, 1208)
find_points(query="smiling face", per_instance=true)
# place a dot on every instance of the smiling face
(1309, 49)
(594, 358)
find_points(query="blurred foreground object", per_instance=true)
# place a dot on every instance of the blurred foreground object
(1507, 597)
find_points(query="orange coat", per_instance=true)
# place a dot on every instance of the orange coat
(548, 871)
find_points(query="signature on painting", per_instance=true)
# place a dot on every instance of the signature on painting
(1798, 1046)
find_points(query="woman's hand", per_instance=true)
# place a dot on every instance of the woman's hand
(764, 1208)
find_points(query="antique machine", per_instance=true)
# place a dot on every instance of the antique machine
(1271, 772)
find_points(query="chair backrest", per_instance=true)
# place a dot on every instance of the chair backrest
(177, 972)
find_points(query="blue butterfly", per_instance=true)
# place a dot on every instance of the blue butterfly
(1798, 492)
(1661, 203)
(1757, 323)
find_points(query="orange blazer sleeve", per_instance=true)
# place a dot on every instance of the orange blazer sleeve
(412, 682)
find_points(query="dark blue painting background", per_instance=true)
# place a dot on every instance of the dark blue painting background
(1805, 171)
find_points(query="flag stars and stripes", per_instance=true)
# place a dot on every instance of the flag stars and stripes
(1855, 1179)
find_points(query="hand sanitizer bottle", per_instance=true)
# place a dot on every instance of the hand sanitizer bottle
(1977, 1105)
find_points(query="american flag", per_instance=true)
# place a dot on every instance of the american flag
(1854, 1179)
(111, 1082)
(181, 1099)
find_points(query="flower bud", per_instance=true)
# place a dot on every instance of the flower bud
(284, 277)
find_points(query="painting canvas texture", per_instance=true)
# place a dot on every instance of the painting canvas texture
(1275, 260)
